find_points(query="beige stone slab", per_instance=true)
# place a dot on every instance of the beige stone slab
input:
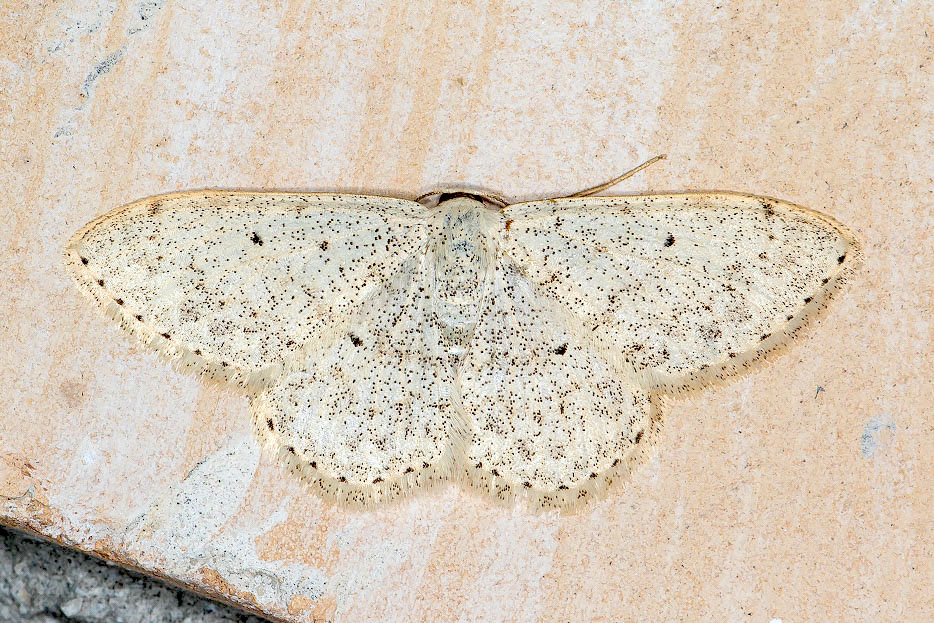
(799, 493)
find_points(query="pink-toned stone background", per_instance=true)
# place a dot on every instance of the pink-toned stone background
(769, 497)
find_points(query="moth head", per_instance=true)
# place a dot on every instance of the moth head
(437, 197)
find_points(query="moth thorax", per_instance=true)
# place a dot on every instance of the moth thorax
(462, 251)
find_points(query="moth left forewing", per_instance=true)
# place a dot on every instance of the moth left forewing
(228, 284)
(684, 289)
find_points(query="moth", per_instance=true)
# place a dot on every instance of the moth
(525, 350)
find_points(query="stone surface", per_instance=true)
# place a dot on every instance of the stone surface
(42, 582)
(798, 493)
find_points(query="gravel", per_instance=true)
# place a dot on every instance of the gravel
(44, 583)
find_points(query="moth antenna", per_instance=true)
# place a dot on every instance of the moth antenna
(615, 180)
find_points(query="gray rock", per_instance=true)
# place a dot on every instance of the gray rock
(43, 583)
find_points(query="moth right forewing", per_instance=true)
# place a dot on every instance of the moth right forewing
(684, 289)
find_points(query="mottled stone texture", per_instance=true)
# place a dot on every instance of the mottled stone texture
(798, 493)
(43, 583)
